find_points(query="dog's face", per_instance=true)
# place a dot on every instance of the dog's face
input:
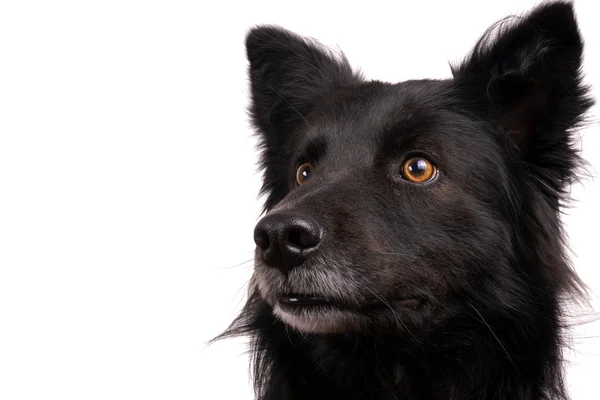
(403, 189)
(394, 207)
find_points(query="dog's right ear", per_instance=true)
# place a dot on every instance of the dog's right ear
(526, 74)
(288, 75)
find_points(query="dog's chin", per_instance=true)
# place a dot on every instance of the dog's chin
(318, 320)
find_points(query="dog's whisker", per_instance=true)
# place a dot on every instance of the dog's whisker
(242, 264)
(482, 320)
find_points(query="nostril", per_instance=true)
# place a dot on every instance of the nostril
(261, 238)
(304, 237)
(294, 237)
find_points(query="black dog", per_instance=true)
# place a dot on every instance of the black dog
(412, 246)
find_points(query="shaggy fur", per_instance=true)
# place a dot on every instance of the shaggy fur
(450, 289)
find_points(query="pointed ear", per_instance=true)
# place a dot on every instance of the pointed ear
(525, 72)
(288, 75)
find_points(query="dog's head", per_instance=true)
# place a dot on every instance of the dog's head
(394, 206)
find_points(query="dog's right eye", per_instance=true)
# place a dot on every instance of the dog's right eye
(418, 170)
(303, 173)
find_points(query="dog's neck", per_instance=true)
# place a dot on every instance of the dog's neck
(471, 364)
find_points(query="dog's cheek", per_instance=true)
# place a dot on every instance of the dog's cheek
(459, 239)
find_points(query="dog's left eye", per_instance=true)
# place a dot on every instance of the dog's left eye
(303, 173)
(418, 170)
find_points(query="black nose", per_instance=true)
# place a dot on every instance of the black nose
(285, 239)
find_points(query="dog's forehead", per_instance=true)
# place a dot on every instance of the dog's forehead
(360, 120)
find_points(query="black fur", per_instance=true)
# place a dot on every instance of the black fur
(481, 246)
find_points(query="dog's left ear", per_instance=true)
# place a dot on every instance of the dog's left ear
(525, 73)
(289, 75)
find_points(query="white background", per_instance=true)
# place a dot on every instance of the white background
(128, 185)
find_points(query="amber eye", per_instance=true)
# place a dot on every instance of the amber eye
(418, 170)
(303, 173)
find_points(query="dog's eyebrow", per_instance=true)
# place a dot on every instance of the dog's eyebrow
(396, 136)
(315, 149)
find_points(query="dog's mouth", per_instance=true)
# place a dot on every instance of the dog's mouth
(295, 302)
(322, 314)
(304, 301)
